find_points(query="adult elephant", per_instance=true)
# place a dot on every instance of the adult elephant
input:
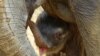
(85, 13)
(13, 38)
(14, 14)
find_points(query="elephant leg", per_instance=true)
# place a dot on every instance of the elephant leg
(87, 16)
(13, 38)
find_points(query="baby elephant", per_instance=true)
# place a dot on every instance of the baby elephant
(56, 37)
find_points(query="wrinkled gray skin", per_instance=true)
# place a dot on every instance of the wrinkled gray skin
(13, 16)
(13, 38)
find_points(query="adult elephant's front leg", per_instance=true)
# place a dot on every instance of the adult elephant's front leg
(13, 38)
(87, 14)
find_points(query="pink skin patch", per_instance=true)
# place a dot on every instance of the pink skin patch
(42, 51)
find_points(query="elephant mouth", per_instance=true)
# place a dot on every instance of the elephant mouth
(42, 51)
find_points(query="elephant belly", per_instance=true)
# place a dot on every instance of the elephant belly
(58, 10)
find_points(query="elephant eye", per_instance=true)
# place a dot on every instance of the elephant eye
(58, 36)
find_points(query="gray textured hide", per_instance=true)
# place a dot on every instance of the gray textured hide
(13, 38)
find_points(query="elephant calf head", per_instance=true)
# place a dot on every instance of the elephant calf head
(55, 36)
(85, 17)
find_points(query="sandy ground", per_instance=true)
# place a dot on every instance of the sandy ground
(29, 33)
